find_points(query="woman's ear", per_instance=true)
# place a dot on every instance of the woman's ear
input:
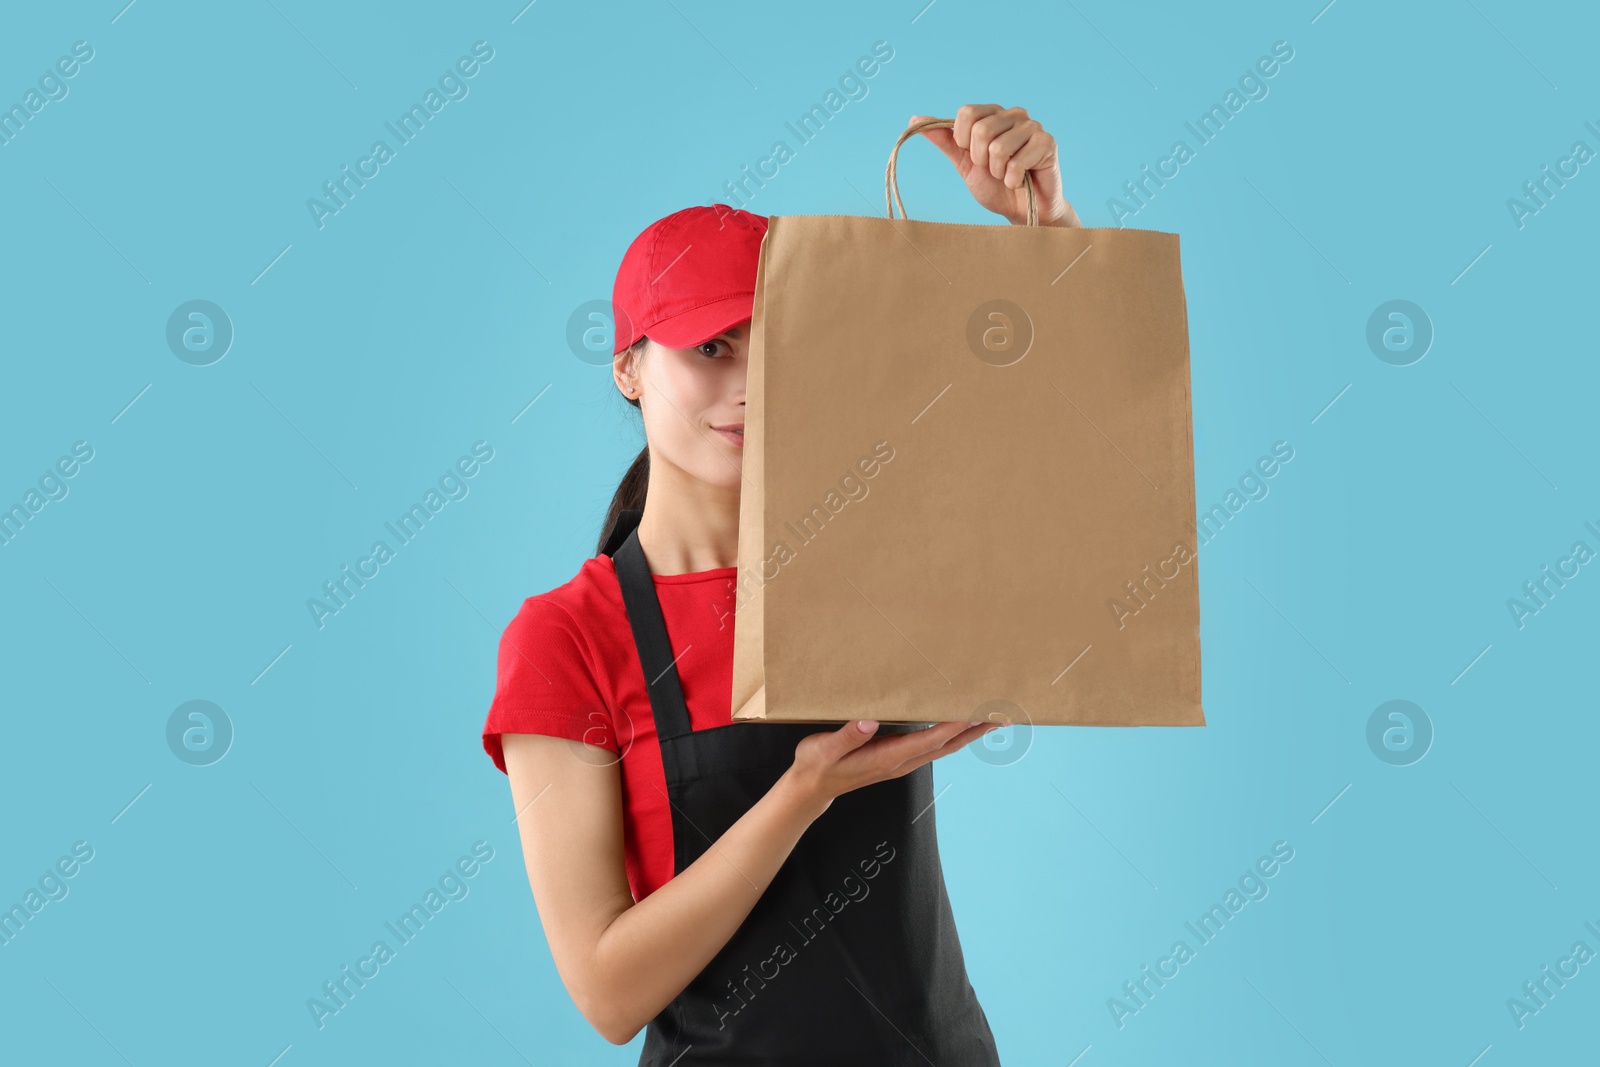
(625, 370)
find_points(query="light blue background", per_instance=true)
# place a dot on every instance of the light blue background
(431, 311)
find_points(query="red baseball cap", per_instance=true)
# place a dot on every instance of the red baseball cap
(688, 277)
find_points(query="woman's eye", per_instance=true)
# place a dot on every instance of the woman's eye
(713, 347)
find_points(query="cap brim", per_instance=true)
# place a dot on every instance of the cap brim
(701, 324)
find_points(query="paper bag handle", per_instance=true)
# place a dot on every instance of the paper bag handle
(891, 185)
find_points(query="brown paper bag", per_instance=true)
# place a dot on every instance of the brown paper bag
(968, 484)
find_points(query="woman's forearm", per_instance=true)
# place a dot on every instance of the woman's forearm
(650, 952)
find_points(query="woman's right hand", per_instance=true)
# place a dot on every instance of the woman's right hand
(828, 763)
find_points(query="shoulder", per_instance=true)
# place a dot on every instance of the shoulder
(556, 662)
(561, 646)
(574, 608)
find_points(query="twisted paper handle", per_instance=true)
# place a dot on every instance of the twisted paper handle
(891, 186)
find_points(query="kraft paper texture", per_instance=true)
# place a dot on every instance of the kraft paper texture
(968, 483)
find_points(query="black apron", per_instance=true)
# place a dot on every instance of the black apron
(850, 956)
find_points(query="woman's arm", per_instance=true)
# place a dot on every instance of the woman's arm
(992, 148)
(622, 962)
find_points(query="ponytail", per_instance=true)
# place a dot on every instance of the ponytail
(630, 493)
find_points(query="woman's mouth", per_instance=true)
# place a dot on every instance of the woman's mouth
(735, 434)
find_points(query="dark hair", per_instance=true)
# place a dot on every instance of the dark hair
(631, 492)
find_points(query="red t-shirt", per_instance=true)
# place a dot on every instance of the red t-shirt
(568, 667)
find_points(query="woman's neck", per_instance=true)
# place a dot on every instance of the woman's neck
(688, 526)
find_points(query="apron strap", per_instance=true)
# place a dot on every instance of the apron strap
(627, 522)
(650, 636)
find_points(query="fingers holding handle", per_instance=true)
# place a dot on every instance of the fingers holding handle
(891, 184)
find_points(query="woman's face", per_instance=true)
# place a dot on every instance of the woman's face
(691, 398)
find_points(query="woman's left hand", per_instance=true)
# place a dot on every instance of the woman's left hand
(993, 147)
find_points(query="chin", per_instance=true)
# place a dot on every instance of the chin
(725, 477)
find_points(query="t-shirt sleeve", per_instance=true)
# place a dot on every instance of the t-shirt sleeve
(545, 683)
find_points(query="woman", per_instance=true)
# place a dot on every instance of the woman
(752, 893)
